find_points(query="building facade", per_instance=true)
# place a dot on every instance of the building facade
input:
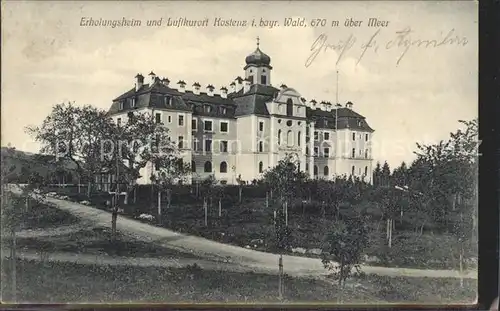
(241, 132)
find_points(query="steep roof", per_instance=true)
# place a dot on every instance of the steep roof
(236, 104)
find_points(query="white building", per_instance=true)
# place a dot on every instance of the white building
(249, 128)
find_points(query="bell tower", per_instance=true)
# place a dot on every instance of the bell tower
(258, 68)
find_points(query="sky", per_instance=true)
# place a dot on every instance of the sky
(407, 97)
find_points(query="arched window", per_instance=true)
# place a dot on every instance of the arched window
(353, 170)
(366, 153)
(261, 146)
(223, 167)
(289, 107)
(279, 137)
(307, 167)
(193, 166)
(325, 171)
(208, 167)
(289, 138)
(307, 151)
(299, 137)
(315, 170)
(366, 170)
(261, 167)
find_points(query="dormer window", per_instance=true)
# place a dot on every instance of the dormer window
(359, 122)
(207, 108)
(223, 110)
(132, 102)
(167, 100)
(120, 105)
(326, 122)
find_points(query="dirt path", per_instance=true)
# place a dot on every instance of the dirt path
(244, 258)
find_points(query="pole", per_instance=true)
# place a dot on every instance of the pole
(220, 208)
(280, 277)
(206, 211)
(267, 199)
(286, 213)
(14, 272)
(159, 204)
(336, 126)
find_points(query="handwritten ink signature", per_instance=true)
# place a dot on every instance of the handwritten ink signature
(402, 40)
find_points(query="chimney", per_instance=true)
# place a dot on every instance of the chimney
(303, 100)
(238, 81)
(223, 92)
(210, 90)
(233, 87)
(283, 87)
(196, 88)
(182, 86)
(313, 104)
(152, 76)
(139, 81)
(246, 86)
(328, 106)
(349, 105)
(323, 105)
(165, 81)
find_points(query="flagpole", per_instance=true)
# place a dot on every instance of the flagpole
(336, 125)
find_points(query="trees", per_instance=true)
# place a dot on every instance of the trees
(343, 248)
(75, 134)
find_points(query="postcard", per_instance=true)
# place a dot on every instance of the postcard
(239, 152)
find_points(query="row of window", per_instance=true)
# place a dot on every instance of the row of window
(326, 136)
(207, 168)
(326, 152)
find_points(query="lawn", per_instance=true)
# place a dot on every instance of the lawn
(60, 282)
(42, 215)
(99, 241)
(250, 225)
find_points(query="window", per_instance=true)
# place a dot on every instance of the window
(120, 105)
(299, 138)
(194, 124)
(208, 167)
(223, 127)
(119, 121)
(181, 120)
(132, 103)
(193, 166)
(353, 170)
(366, 137)
(359, 170)
(359, 123)
(207, 126)
(298, 167)
(366, 170)
(325, 171)
(261, 146)
(261, 126)
(250, 78)
(207, 108)
(158, 118)
(307, 151)
(261, 167)
(289, 107)
(307, 131)
(315, 170)
(326, 152)
(307, 167)
(316, 151)
(326, 122)
(326, 136)
(223, 146)
(366, 153)
(223, 167)
(279, 137)
(208, 145)
(181, 142)
(353, 155)
(289, 138)
(167, 100)
(316, 136)
(169, 118)
(353, 136)
(196, 145)
(263, 79)
(223, 110)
